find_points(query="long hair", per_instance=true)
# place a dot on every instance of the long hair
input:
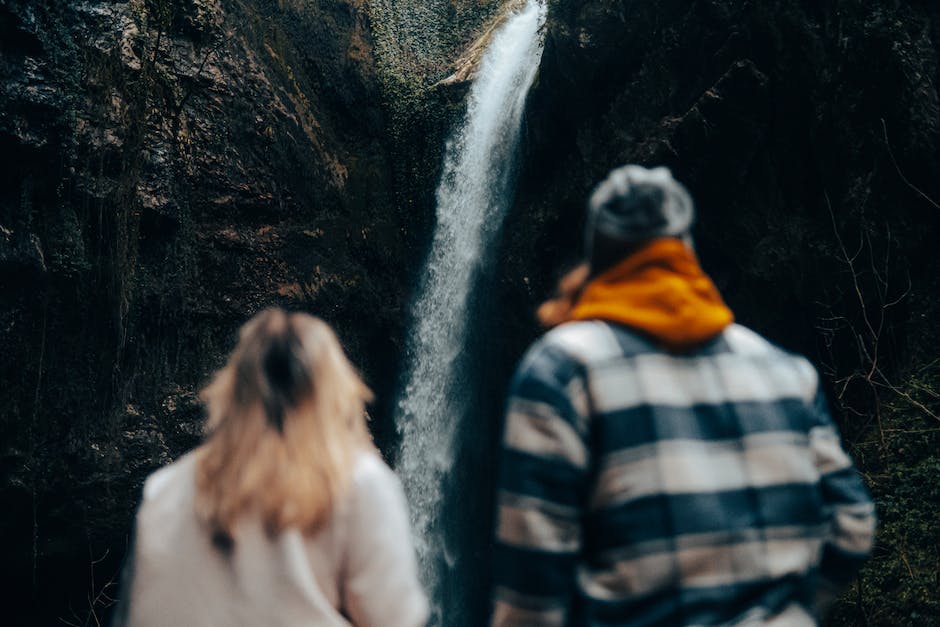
(286, 420)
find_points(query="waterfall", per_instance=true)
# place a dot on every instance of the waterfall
(472, 197)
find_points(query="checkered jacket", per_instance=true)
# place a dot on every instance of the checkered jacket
(639, 487)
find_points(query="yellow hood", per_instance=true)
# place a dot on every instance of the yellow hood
(660, 290)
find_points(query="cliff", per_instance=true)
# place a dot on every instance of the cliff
(169, 167)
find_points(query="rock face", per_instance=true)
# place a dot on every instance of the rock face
(168, 168)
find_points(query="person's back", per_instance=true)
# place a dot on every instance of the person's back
(286, 515)
(664, 466)
(358, 569)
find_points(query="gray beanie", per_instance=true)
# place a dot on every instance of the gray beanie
(635, 204)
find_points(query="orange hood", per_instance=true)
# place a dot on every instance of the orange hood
(661, 290)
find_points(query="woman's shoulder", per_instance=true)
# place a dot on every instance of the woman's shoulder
(170, 476)
(374, 486)
(369, 469)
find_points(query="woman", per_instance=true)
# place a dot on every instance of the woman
(286, 515)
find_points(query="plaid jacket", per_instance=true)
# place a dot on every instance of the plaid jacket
(643, 488)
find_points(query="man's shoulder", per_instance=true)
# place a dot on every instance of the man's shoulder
(593, 341)
(756, 350)
(748, 343)
(744, 341)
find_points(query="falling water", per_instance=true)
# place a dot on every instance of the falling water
(472, 198)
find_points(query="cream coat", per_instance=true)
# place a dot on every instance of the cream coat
(360, 569)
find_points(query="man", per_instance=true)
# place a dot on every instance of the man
(661, 464)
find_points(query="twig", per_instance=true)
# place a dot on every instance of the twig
(908, 564)
(901, 174)
(32, 439)
(850, 261)
(869, 347)
(908, 398)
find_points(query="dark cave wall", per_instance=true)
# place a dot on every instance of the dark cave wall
(807, 133)
(170, 167)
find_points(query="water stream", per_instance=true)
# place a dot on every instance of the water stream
(472, 198)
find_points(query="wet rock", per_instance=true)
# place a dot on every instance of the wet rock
(160, 162)
(719, 136)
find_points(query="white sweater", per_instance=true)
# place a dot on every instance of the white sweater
(359, 569)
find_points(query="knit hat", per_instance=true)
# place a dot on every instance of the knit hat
(634, 205)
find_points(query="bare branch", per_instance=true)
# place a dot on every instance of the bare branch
(884, 127)
(850, 261)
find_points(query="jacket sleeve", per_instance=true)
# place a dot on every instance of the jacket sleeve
(380, 581)
(542, 477)
(849, 507)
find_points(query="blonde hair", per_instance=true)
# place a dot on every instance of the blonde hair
(286, 419)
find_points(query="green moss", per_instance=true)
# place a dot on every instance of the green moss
(898, 585)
